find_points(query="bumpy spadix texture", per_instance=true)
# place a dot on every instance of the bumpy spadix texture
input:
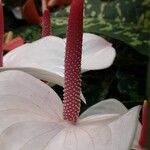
(46, 24)
(31, 119)
(73, 62)
(1, 34)
(46, 21)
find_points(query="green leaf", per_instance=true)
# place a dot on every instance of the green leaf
(30, 33)
(125, 20)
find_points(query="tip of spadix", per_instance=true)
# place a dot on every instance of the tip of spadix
(145, 104)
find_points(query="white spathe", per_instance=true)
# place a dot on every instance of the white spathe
(44, 58)
(31, 118)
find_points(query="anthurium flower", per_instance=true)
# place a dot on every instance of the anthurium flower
(30, 119)
(14, 43)
(44, 20)
(30, 13)
(45, 58)
(115, 107)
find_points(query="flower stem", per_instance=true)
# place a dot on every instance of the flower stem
(72, 85)
(1, 33)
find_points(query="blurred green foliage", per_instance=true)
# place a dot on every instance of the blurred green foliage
(125, 20)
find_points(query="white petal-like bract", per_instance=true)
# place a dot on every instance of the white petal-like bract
(22, 92)
(44, 58)
(31, 118)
